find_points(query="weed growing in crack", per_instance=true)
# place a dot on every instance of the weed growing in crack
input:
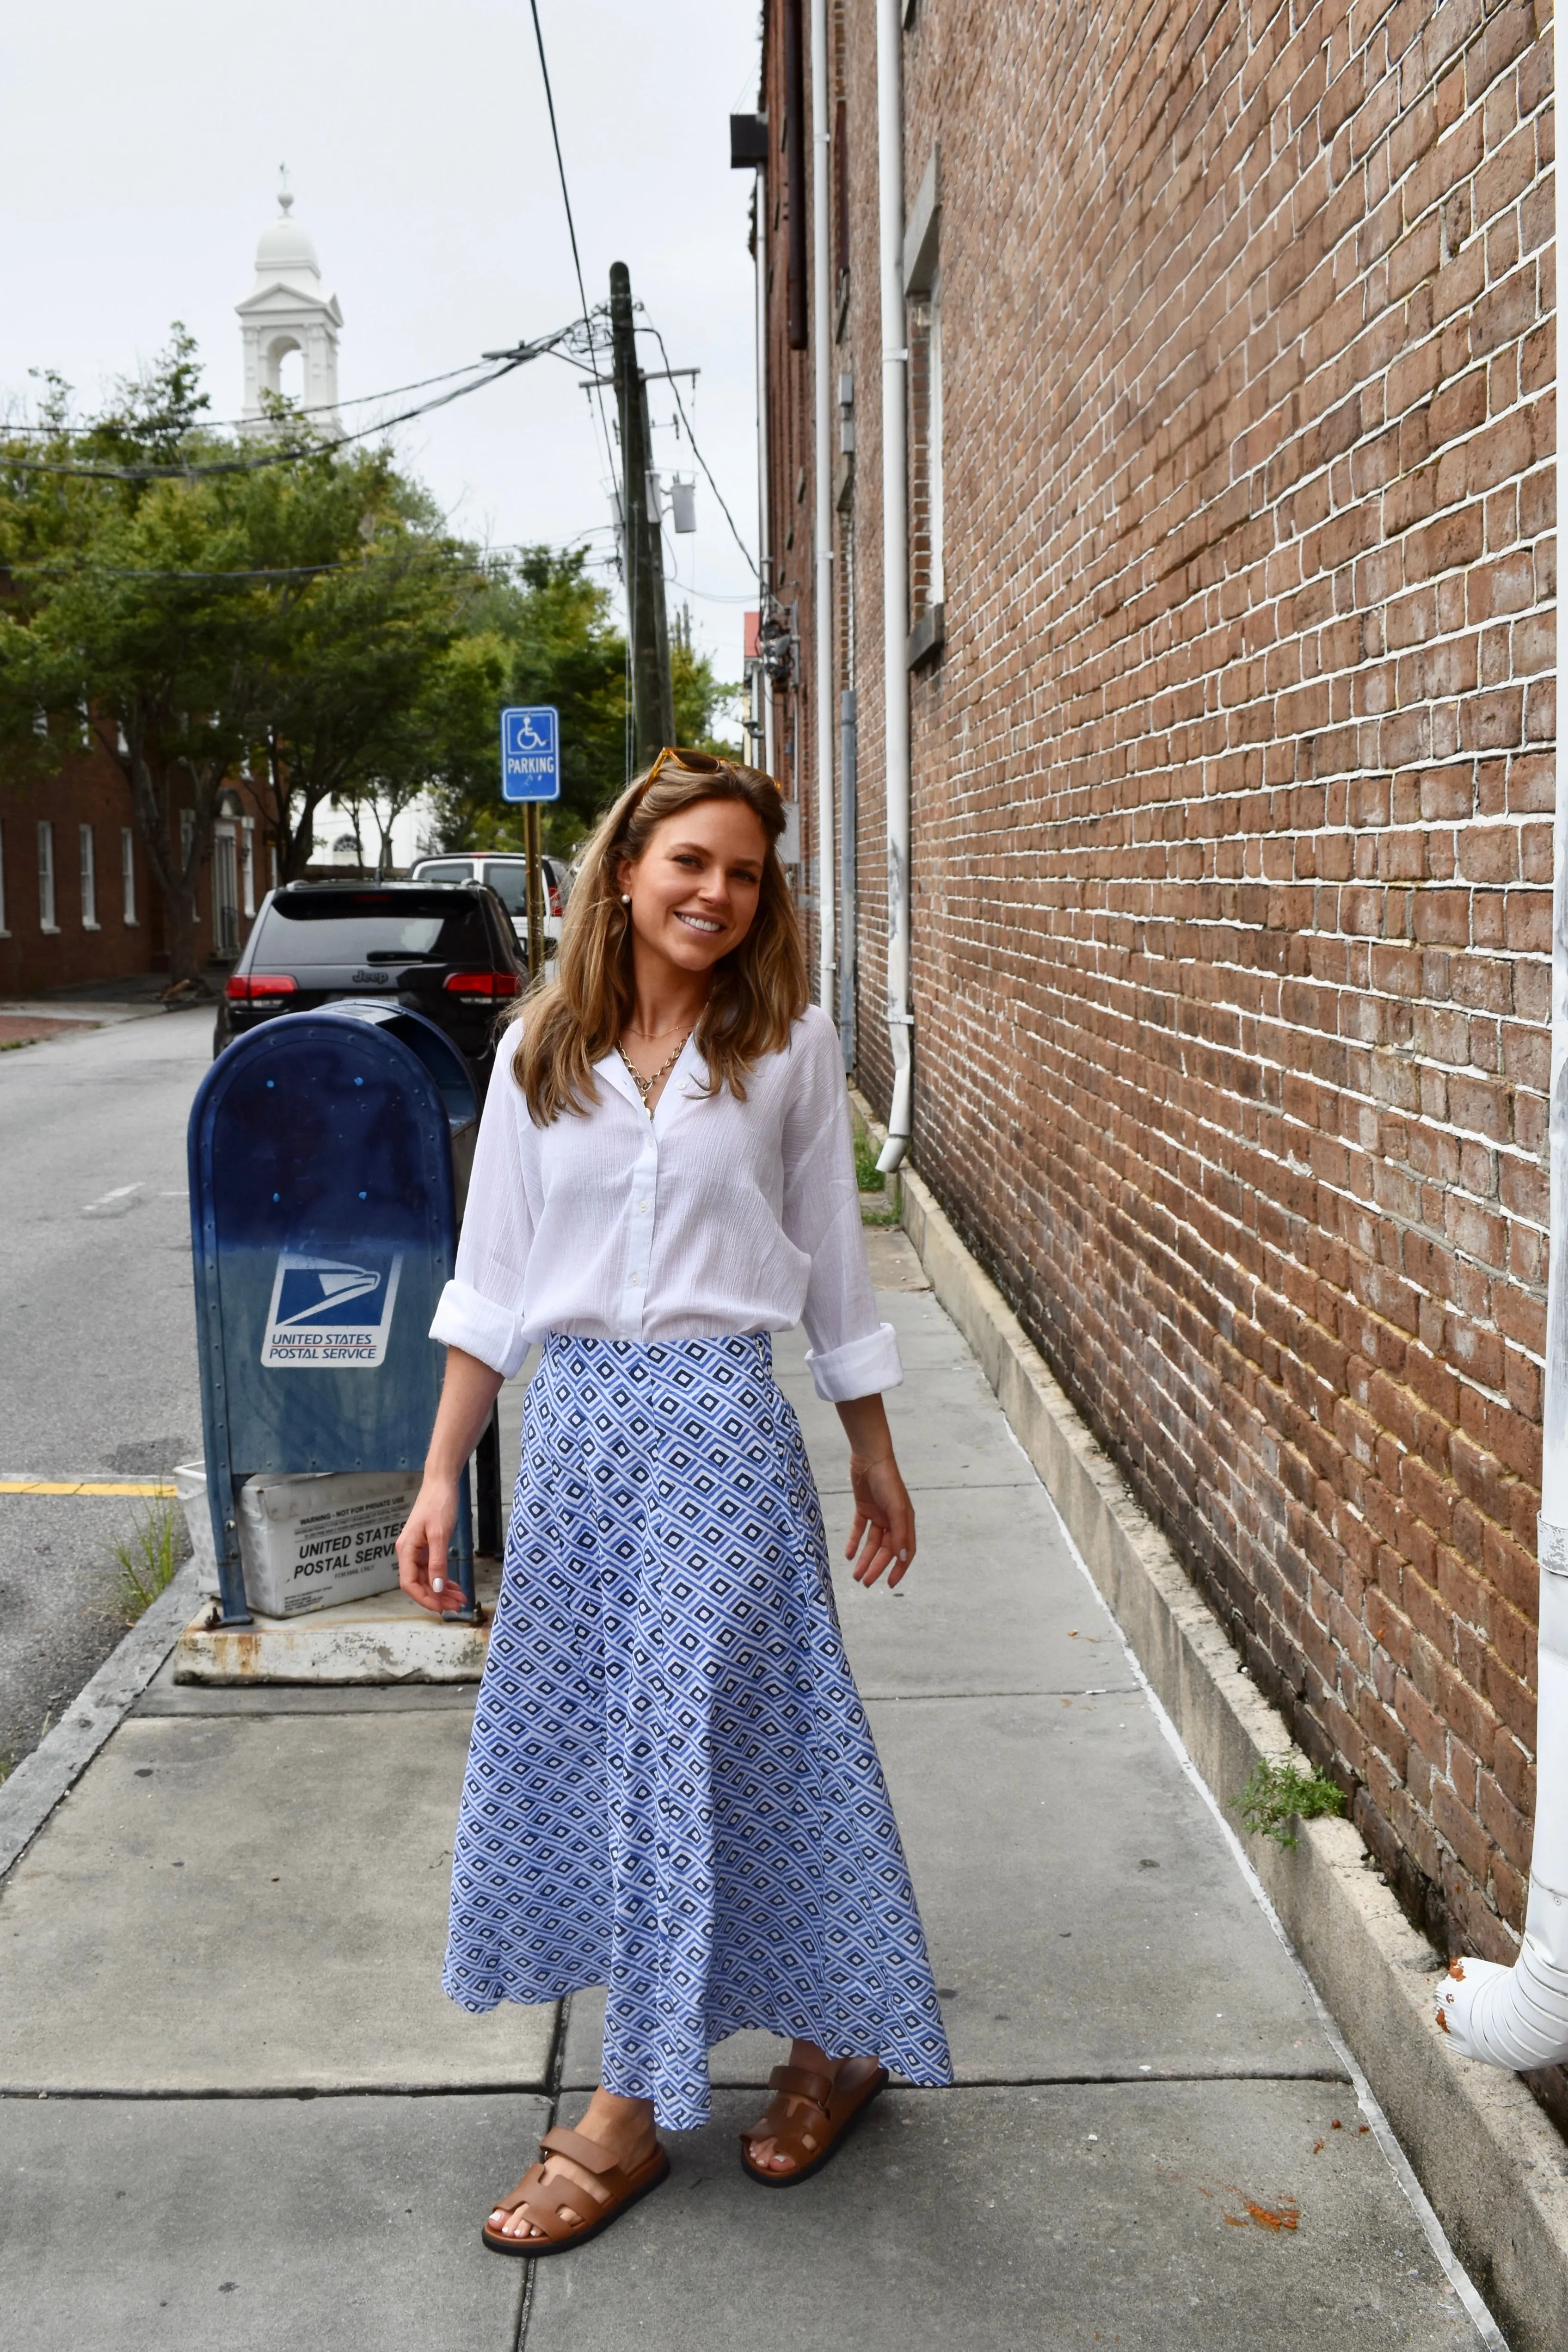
(1278, 1795)
(147, 1558)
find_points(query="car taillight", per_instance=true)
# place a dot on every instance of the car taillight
(484, 984)
(260, 983)
(555, 898)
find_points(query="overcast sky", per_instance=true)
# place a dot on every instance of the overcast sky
(143, 147)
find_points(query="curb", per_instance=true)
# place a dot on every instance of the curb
(1492, 2164)
(33, 1790)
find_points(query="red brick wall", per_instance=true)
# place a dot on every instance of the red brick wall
(1232, 793)
(790, 456)
(88, 788)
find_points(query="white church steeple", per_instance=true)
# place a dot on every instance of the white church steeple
(287, 310)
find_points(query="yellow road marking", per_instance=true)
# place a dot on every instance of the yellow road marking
(85, 1486)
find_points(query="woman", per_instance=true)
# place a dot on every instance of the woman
(672, 1788)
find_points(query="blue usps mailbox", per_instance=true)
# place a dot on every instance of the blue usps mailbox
(323, 1225)
(530, 753)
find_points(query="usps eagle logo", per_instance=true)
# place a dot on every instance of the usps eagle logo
(330, 1311)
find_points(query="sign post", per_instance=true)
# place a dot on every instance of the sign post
(530, 773)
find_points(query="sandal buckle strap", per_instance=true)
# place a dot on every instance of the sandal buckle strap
(589, 2153)
(802, 2083)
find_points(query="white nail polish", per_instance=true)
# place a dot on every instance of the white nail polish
(437, 1584)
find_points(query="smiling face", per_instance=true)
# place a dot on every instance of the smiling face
(696, 888)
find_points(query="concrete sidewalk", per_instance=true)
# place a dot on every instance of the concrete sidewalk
(238, 2110)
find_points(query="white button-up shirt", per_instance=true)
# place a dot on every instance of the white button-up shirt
(711, 1217)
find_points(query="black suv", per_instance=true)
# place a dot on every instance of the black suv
(447, 951)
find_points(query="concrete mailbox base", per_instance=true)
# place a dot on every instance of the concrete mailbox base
(382, 1639)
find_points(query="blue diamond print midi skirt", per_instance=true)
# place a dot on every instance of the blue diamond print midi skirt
(672, 1788)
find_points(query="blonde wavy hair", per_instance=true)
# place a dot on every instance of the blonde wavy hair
(758, 989)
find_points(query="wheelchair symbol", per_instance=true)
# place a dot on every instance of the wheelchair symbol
(528, 735)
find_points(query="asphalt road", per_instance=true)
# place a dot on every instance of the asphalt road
(98, 1363)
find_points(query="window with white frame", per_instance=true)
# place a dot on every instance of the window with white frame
(248, 866)
(923, 287)
(937, 590)
(46, 877)
(88, 878)
(128, 876)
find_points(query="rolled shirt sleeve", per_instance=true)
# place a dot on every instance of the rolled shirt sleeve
(465, 1318)
(481, 1309)
(860, 1367)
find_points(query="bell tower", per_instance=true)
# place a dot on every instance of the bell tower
(288, 311)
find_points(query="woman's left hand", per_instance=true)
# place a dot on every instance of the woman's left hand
(883, 1529)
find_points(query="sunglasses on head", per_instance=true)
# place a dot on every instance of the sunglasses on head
(695, 763)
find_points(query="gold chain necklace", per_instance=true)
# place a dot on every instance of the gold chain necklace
(645, 1085)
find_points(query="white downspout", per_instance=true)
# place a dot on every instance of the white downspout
(823, 466)
(764, 550)
(1518, 2017)
(894, 562)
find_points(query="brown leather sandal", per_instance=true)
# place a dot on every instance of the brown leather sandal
(542, 2200)
(810, 2139)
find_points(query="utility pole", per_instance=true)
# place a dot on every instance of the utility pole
(652, 696)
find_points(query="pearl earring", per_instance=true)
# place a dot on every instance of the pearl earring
(625, 898)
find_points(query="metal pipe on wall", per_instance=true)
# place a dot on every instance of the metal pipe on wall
(894, 562)
(795, 175)
(764, 545)
(1518, 2017)
(847, 843)
(823, 466)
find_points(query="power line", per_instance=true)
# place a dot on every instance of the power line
(482, 562)
(239, 423)
(415, 555)
(570, 227)
(289, 457)
(696, 452)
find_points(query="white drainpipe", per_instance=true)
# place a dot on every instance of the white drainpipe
(894, 562)
(765, 559)
(823, 586)
(1518, 2017)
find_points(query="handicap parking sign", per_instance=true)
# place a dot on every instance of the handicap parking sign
(530, 753)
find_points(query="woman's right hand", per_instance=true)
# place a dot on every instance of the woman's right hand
(468, 1393)
(421, 1549)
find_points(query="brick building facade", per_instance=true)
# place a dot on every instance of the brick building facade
(1229, 388)
(78, 903)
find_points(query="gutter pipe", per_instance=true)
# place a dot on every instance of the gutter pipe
(894, 564)
(823, 467)
(764, 551)
(1518, 2017)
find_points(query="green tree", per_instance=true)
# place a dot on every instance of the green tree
(115, 618)
(296, 616)
(549, 638)
(699, 696)
(350, 639)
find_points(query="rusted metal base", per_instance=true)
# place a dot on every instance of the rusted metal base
(383, 1639)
